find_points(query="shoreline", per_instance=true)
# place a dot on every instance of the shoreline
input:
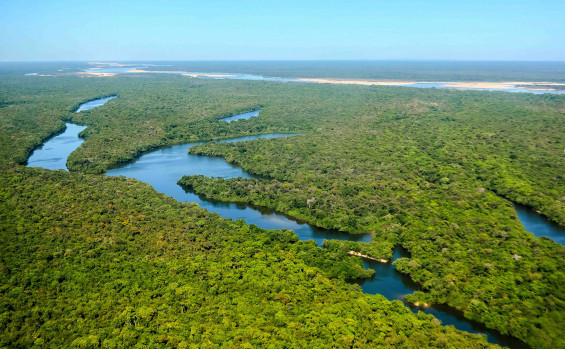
(462, 85)
(503, 85)
(211, 75)
(359, 254)
(83, 74)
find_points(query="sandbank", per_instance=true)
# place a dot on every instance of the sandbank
(210, 75)
(503, 85)
(359, 254)
(135, 70)
(357, 82)
(96, 74)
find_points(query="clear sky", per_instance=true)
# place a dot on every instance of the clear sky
(89, 30)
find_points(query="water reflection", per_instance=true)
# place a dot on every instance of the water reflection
(164, 167)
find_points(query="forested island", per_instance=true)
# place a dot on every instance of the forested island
(89, 260)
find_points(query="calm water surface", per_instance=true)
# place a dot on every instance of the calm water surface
(394, 286)
(444, 85)
(163, 168)
(54, 153)
(243, 116)
(94, 103)
(539, 225)
(238, 76)
(113, 70)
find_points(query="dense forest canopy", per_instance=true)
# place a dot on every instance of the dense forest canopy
(432, 170)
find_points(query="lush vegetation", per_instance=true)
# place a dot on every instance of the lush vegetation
(95, 261)
(421, 168)
(424, 176)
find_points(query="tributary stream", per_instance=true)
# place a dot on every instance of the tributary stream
(164, 167)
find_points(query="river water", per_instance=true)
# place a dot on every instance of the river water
(540, 226)
(95, 103)
(244, 116)
(53, 154)
(240, 76)
(164, 167)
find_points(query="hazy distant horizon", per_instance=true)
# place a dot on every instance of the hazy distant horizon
(414, 70)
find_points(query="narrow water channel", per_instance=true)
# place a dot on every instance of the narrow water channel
(540, 226)
(244, 116)
(394, 286)
(95, 103)
(164, 167)
(53, 154)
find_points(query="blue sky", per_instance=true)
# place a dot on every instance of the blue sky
(240, 30)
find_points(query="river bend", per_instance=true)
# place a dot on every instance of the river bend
(164, 167)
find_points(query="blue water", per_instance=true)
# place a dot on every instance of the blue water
(94, 103)
(394, 286)
(164, 167)
(53, 154)
(243, 116)
(113, 70)
(238, 76)
(445, 85)
(539, 225)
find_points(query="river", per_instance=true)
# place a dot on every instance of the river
(137, 69)
(244, 116)
(164, 167)
(53, 154)
(540, 226)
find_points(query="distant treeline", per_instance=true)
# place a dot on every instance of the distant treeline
(541, 86)
(395, 70)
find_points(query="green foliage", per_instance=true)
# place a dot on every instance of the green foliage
(379, 249)
(413, 167)
(419, 174)
(93, 261)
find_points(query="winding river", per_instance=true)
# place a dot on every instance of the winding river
(53, 154)
(164, 167)
(137, 69)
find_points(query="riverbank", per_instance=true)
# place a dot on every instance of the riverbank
(359, 254)
(345, 141)
(503, 85)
